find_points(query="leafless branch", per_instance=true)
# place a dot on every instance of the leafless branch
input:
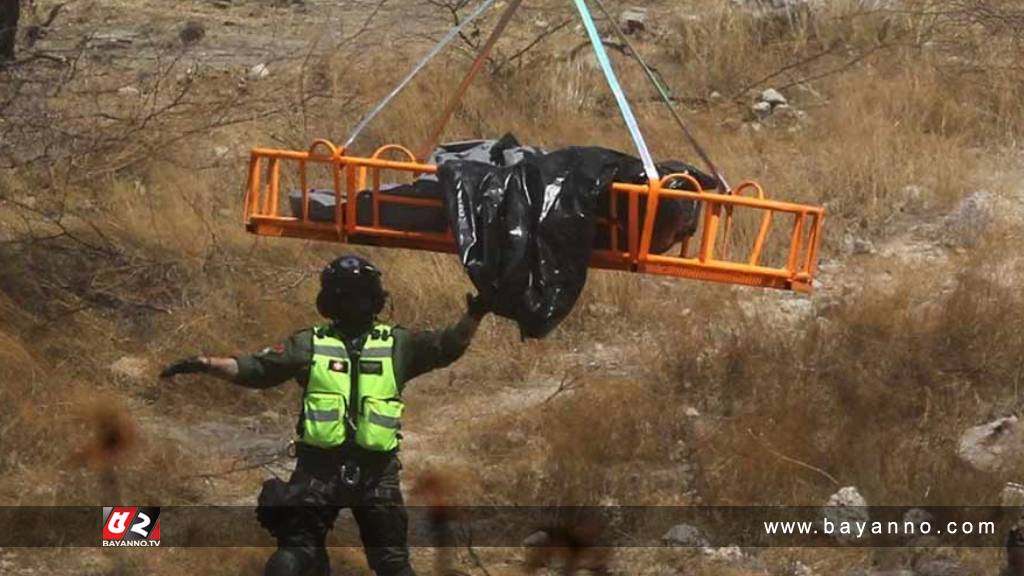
(537, 40)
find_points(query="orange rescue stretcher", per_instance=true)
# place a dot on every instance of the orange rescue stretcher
(742, 238)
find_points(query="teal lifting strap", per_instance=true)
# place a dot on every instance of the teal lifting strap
(723, 186)
(620, 97)
(416, 70)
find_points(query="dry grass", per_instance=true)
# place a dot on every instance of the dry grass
(871, 390)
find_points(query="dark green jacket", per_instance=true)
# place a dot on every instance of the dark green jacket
(414, 353)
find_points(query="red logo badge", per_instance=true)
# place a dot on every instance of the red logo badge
(131, 526)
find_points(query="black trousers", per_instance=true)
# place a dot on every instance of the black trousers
(9, 11)
(302, 511)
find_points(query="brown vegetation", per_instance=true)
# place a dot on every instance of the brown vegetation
(120, 236)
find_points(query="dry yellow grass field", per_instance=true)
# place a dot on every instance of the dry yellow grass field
(121, 248)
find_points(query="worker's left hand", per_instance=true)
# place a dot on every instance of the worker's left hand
(191, 365)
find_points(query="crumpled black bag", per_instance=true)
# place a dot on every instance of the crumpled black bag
(525, 232)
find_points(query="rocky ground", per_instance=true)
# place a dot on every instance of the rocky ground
(471, 423)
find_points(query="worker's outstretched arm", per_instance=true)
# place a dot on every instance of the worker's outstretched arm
(268, 367)
(223, 368)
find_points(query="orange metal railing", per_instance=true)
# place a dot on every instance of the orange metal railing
(714, 259)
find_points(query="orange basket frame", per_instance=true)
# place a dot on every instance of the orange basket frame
(711, 262)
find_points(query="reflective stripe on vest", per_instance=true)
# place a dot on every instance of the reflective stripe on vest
(327, 395)
(340, 352)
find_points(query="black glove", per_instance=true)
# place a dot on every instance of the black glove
(185, 366)
(477, 306)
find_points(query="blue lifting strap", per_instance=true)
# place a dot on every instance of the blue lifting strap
(416, 70)
(620, 97)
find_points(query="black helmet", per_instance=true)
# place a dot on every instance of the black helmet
(350, 290)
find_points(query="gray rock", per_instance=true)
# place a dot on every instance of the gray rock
(863, 246)
(725, 554)
(538, 538)
(684, 535)
(1012, 495)
(128, 91)
(112, 39)
(939, 567)
(258, 72)
(845, 507)
(762, 110)
(633, 20)
(847, 496)
(800, 569)
(988, 447)
(773, 97)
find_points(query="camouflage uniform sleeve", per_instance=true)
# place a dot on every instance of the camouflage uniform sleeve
(278, 363)
(419, 352)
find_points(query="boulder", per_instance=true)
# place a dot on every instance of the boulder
(112, 39)
(633, 20)
(1012, 495)
(939, 567)
(847, 496)
(989, 447)
(761, 110)
(684, 535)
(845, 507)
(258, 72)
(725, 554)
(537, 539)
(773, 97)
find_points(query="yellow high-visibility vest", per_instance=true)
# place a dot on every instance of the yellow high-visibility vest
(325, 405)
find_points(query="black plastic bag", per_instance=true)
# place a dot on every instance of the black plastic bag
(675, 219)
(525, 232)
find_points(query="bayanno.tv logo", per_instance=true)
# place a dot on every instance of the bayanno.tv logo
(131, 526)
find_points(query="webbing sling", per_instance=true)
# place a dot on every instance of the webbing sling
(474, 69)
(620, 96)
(416, 70)
(723, 186)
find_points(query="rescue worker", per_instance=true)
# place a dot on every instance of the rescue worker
(352, 370)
